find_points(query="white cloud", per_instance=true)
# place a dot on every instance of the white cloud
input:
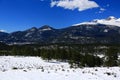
(101, 10)
(75, 4)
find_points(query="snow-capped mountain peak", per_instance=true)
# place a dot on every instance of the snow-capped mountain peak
(32, 29)
(45, 28)
(111, 20)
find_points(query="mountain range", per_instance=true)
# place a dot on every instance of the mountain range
(95, 31)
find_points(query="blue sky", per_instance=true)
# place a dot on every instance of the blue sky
(23, 14)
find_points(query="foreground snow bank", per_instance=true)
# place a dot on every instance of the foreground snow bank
(34, 68)
(11, 62)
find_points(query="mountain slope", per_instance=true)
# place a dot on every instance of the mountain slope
(3, 36)
(45, 33)
(96, 31)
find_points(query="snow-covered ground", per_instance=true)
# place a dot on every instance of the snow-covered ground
(34, 68)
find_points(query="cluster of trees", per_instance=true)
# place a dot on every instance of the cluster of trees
(77, 55)
(111, 57)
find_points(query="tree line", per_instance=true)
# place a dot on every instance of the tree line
(78, 55)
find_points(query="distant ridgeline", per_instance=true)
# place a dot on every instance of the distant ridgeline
(78, 55)
(105, 31)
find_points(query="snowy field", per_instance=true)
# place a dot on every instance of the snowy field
(34, 68)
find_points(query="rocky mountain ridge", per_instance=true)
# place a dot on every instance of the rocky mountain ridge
(96, 31)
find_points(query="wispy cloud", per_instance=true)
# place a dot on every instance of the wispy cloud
(102, 10)
(74, 4)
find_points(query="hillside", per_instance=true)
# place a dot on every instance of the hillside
(96, 31)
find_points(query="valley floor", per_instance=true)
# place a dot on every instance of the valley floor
(34, 68)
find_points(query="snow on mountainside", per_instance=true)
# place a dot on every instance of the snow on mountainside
(2, 30)
(45, 28)
(108, 21)
(34, 68)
